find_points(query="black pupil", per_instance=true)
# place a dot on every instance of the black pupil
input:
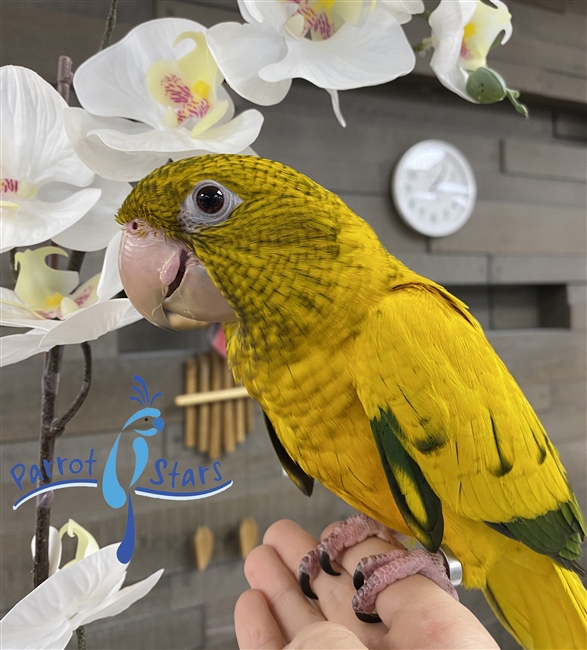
(210, 199)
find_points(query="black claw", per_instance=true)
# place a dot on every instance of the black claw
(368, 618)
(358, 579)
(304, 580)
(324, 560)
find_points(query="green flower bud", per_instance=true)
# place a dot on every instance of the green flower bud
(486, 86)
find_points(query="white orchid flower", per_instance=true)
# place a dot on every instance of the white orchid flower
(163, 78)
(334, 44)
(403, 10)
(47, 301)
(78, 594)
(40, 173)
(463, 32)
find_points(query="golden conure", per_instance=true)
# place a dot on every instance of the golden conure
(377, 381)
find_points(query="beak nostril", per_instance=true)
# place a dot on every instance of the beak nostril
(134, 225)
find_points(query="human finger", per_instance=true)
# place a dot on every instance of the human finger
(266, 572)
(255, 627)
(325, 635)
(335, 594)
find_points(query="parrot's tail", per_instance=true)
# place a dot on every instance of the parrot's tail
(539, 602)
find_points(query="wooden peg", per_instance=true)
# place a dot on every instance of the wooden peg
(248, 535)
(228, 419)
(204, 409)
(250, 417)
(203, 547)
(214, 448)
(241, 427)
(189, 437)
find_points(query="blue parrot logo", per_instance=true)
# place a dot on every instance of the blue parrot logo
(149, 422)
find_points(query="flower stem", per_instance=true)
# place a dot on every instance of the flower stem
(110, 24)
(13, 264)
(51, 428)
(64, 77)
(75, 260)
(81, 638)
(58, 425)
(49, 386)
(425, 45)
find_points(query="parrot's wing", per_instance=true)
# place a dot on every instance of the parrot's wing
(301, 480)
(450, 421)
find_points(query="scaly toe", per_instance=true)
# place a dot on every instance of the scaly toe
(324, 559)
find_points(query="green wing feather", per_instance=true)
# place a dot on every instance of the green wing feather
(301, 480)
(406, 480)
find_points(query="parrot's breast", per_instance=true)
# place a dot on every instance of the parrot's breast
(313, 405)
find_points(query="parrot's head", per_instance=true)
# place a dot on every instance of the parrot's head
(240, 238)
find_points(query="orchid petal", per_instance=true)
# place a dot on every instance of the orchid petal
(124, 598)
(37, 221)
(336, 106)
(233, 137)
(110, 283)
(94, 230)
(84, 325)
(447, 22)
(272, 14)
(226, 138)
(14, 313)
(37, 282)
(373, 53)
(241, 51)
(33, 143)
(249, 11)
(18, 347)
(112, 83)
(403, 10)
(456, 80)
(54, 549)
(109, 163)
(92, 322)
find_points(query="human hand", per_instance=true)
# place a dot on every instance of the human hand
(274, 614)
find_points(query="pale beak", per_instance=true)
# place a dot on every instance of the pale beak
(161, 275)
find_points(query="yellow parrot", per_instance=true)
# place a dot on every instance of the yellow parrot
(374, 380)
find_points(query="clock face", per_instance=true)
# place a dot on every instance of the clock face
(434, 188)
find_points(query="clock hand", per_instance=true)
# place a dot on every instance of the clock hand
(449, 188)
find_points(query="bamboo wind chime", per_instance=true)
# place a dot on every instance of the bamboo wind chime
(218, 413)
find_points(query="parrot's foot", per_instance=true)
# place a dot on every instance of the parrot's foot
(376, 572)
(354, 530)
(373, 573)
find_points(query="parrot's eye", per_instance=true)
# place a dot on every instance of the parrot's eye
(208, 205)
(210, 199)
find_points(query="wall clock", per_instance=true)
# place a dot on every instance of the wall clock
(434, 188)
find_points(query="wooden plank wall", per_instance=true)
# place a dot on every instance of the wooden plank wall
(528, 229)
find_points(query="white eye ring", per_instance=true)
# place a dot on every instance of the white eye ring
(209, 204)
